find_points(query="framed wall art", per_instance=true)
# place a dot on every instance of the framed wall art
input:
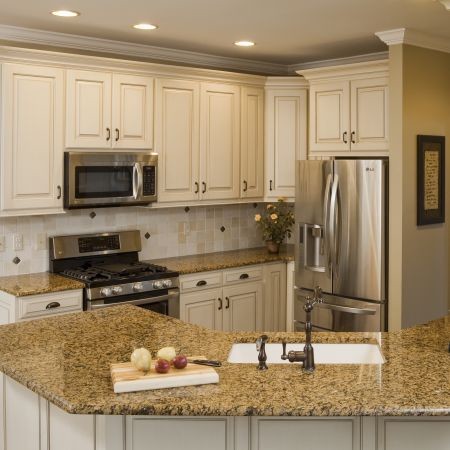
(430, 179)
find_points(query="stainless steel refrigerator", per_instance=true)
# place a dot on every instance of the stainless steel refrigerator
(341, 223)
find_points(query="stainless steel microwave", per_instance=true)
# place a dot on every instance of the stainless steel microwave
(97, 179)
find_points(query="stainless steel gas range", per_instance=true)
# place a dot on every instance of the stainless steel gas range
(108, 264)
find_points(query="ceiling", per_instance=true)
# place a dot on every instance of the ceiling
(285, 31)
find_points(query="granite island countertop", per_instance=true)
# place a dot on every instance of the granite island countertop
(37, 283)
(48, 357)
(225, 260)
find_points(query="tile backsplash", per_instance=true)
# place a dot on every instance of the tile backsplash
(165, 232)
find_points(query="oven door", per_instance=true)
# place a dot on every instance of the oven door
(167, 304)
(109, 179)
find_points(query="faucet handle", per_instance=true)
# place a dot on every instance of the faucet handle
(318, 294)
(284, 355)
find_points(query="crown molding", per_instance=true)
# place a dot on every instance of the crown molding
(294, 68)
(292, 82)
(148, 52)
(416, 38)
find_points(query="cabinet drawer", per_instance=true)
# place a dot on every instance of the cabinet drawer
(200, 281)
(249, 273)
(49, 304)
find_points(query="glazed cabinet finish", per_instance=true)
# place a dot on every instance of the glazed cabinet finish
(285, 142)
(219, 141)
(275, 297)
(31, 139)
(106, 110)
(252, 142)
(177, 110)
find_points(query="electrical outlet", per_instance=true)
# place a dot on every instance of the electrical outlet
(18, 242)
(2, 243)
(41, 241)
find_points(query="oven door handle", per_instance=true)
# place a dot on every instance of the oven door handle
(137, 180)
(98, 304)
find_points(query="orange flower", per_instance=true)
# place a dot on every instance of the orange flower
(274, 216)
(257, 217)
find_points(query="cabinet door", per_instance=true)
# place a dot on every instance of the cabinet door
(88, 109)
(275, 297)
(329, 117)
(132, 112)
(219, 141)
(177, 107)
(252, 145)
(243, 307)
(203, 308)
(369, 114)
(285, 140)
(32, 138)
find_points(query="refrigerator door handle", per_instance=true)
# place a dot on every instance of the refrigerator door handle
(333, 222)
(326, 236)
(348, 309)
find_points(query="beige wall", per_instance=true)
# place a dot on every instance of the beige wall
(420, 104)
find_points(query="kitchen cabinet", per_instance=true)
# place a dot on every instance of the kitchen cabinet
(108, 110)
(31, 139)
(275, 297)
(285, 138)
(177, 110)
(219, 141)
(203, 308)
(348, 110)
(252, 142)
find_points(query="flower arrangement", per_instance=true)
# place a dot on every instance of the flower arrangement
(276, 222)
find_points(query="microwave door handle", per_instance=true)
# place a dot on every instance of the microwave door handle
(137, 181)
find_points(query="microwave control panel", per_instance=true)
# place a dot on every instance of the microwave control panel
(149, 175)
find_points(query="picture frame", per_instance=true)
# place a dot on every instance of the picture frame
(430, 180)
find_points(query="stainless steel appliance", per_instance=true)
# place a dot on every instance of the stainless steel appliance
(108, 264)
(341, 223)
(109, 179)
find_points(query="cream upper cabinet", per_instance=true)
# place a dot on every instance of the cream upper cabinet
(177, 111)
(348, 111)
(106, 110)
(285, 142)
(329, 118)
(219, 141)
(252, 142)
(32, 140)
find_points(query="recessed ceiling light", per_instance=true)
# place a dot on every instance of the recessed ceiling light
(145, 26)
(65, 13)
(244, 43)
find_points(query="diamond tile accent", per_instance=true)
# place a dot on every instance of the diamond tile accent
(16, 260)
(255, 205)
(187, 209)
(222, 228)
(147, 235)
(92, 214)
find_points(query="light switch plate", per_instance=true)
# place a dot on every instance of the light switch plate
(41, 241)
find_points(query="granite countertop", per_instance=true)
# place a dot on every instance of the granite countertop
(225, 260)
(48, 357)
(37, 283)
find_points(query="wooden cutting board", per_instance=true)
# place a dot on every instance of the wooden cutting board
(126, 378)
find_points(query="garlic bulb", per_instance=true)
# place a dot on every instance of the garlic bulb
(141, 358)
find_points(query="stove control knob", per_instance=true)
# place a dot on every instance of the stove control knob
(105, 292)
(167, 283)
(158, 284)
(117, 290)
(138, 287)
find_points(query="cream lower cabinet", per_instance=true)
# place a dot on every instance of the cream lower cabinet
(108, 110)
(204, 308)
(275, 297)
(32, 140)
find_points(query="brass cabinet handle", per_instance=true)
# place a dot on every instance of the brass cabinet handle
(228, 302)
(270, 185)
(59, 192)
(352, 137)
(197, 188)
(53, 305)
(117, 134)
(204, 187)
(108, 134)
(245, 186)
(220, 304)
(344, 137)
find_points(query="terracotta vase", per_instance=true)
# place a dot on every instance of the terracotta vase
(272, 247)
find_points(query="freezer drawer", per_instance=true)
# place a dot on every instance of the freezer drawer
(339, 314)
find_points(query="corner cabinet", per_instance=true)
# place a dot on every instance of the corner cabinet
(348, 110)
(108, 110)
(285, 134)
(32, 140)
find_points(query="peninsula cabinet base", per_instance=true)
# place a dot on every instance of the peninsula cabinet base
(29, 422)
